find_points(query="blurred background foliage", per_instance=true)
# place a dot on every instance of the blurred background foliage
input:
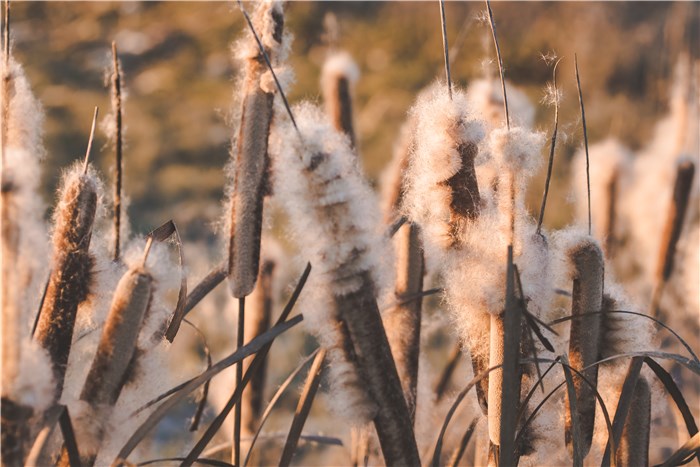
(180, 76)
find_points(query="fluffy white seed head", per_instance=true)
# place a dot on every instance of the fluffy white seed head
(335, 216)
(339, 65)
(443, 125)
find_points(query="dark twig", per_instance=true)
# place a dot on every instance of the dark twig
(585, 141)
(445, 48)
(550, 164)
(500, 62)
(92, 135)
(239, 379)
(117, 109)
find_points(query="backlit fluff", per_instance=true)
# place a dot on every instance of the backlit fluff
(335, 216)
(443, 125)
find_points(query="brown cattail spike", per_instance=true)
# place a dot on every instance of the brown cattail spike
(634, 445)
(252, 165)
(403, 321)
(69, 284)
(358, 310)
(116, 351)
(685, 173)
(584, 342)
(337, 79)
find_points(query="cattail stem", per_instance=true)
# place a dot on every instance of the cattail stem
(240, 333)
(550, 163)
(445, 48)
(117, 110)
(403, 321)
(501, 72)
(303, 408)
(585, 141)
(584, 342)
(685, 172)
(258, 320)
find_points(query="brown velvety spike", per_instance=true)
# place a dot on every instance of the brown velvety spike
(358, 310)
(584, 343)
(251, 170)
(69, 284)
(634, 445)
(402, 322)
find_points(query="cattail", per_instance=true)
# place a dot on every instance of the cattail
(685, 173)
(258, 316)
(116, 352)
(22, 227)
(114, 129)
(403, 321)
(251, 164)
(338, 77)
(634, 446)
(333, 210)
(587, 272)
(71, 268)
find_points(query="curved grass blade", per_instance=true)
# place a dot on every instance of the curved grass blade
(685, 453)
(254, 365)
(459, 452)
(214, 278)
(256, 345)
(205, 389)
(642, 315)
(303, 408)
(202, 461)
(597, 395)
(274, 400)
(71, 443)
(458, 400)
(675, 393)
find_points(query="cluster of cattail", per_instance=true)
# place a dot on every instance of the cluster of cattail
(519, 298)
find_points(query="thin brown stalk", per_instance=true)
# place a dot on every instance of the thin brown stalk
(584, 342)
(585, 141)
(240, 333)
(117, 111)
(685, 172)
(403, 321)
(303, 408)
(445, 48)
(501, 71)
(258, 319)
(252, 165)
(550, 163)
